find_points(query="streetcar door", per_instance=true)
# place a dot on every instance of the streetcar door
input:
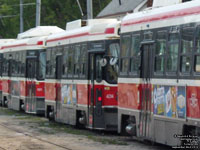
(58, 74)
(31, 65)
(145, 74)
(96, 119)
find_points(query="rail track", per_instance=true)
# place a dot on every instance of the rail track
(33, 137)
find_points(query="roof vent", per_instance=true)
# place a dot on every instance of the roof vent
(161, 3)
(75, 24)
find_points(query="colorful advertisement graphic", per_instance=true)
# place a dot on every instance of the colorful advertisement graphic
(159, 100)
(69, 94)
(170, 101)
(193, 102)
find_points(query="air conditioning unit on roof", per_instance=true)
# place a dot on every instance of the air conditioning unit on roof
(161, 3)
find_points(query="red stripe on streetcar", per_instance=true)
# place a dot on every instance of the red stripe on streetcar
(11, 46)
(107, 31)
(68, 37)
(163, 16)
(19, 45)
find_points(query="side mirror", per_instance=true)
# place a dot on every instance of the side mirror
(103, 62)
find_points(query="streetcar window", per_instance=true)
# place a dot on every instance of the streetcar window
(64, 67)
(42, 66)
(126, 44)
(185, 64)
(148, 35)
(98, 69)
(53, 62)
(172, 57)
(48, 63)
(135, 54)
(4, 64)
(174, 37)
(19, 63)
(124, 54)
(159, 64)
(10, 64)
(112, 67)
(13, 64)
(160, 51)
(23, 63)
(17, 58)
(197, 48)
(197, 64)
(114, 50)
(135, 46)
(197, 43)
(186, 49)
(1, 61)
(124, 65)
(161, 43)
(83, 60)
(70, 61)
(77, 54)
(187, 40)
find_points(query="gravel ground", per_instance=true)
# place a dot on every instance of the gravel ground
(20, 131)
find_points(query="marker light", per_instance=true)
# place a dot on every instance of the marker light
(99, 98)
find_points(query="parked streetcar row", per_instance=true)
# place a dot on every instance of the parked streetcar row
(139, 76)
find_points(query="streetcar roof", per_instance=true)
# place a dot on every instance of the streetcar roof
(34, 38)
(39, 31)
(161, 16)
(96, 29)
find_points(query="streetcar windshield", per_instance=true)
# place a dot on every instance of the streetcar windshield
(112, 65)
(42, 66)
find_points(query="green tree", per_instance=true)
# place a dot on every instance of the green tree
(53, 12)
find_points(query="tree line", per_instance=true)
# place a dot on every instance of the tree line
(53, 12)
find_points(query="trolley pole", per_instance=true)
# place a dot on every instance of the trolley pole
(21, 17)
(38, 7)
(89, 9)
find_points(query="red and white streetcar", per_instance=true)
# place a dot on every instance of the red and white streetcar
(23, 70)
(2, 42)
(81, 78)
(159, 84)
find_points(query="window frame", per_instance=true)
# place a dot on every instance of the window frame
(135, 73)
(122, 58)
(173, 30)
(160, 74)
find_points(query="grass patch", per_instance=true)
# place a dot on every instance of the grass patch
(105, 140)
(64, 128)
(89, 134)
(5, 111)
(30, 118)
(42, 125)
(46, 131)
